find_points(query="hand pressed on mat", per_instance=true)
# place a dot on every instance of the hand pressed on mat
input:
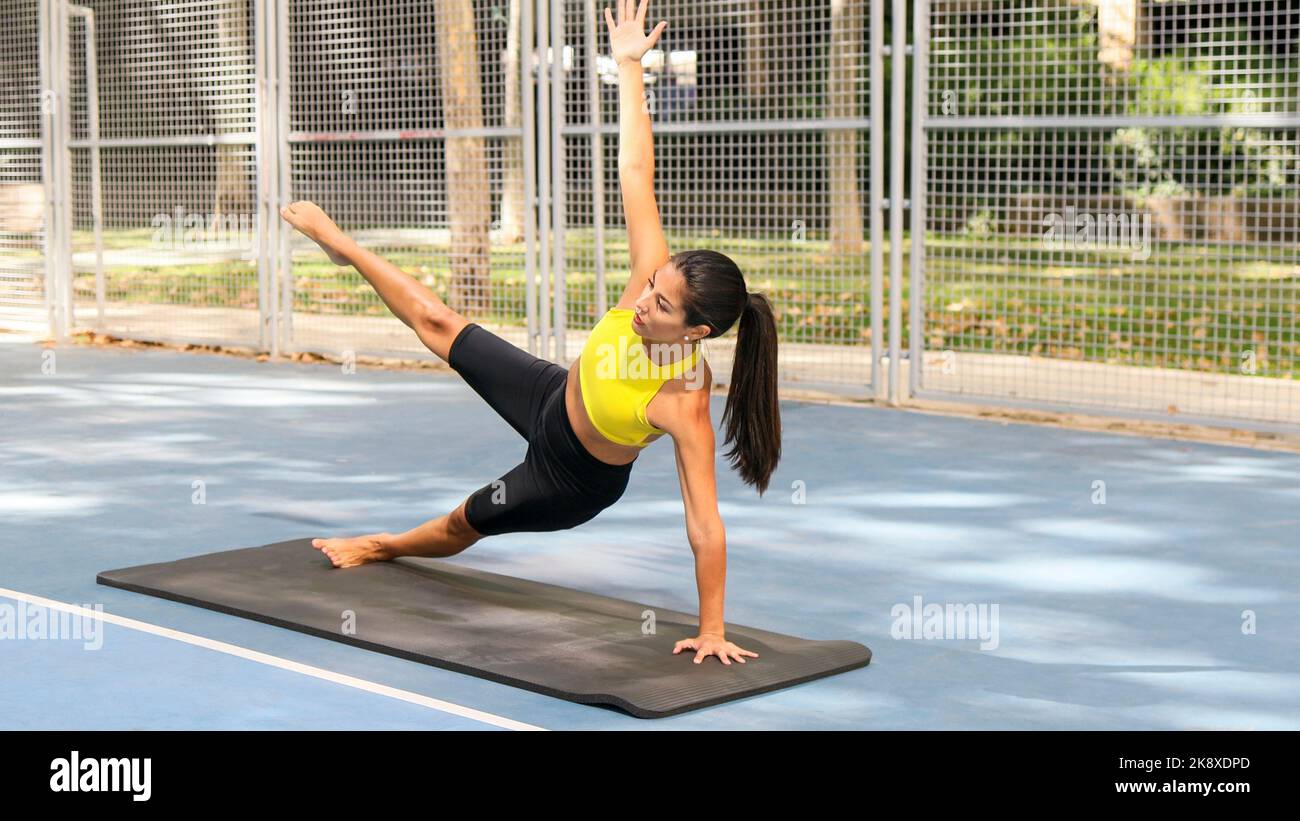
(709, 644)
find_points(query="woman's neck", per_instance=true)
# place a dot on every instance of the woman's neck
(669, 351)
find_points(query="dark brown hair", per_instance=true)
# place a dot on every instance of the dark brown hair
(716, 296)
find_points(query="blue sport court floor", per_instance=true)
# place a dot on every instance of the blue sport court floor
(1172, 605)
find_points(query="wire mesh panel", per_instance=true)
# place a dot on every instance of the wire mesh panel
(760, 115)
(405, 124)
(164, 242)
(1111, 206)
(22, 196)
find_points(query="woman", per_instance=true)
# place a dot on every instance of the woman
(633, 382)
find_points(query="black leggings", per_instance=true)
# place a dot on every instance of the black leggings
(560, 484)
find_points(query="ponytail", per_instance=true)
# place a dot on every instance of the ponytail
(716, 296)
(752, 416)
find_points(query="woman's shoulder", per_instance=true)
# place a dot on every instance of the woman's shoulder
(694, 381)
(685, 397)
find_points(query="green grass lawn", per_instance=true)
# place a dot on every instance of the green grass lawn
(1189, 306)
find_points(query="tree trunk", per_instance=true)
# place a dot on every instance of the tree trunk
(843, 94)
(469, 207)
(1117, 32)
(755, 48)
(233, 189)
(512, 157)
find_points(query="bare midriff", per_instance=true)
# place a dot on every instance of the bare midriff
(593, 440)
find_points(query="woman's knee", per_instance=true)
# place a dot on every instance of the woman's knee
(458, 523)
(437, 326)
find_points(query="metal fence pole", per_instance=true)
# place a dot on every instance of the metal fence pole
(876, 171)
(529, 121)
(48, 108)
(63, 172)
(267, 216)
(282, 287)
(597, 158)
(559, 181)
(916, 291)
(898, 65)
(544, 182)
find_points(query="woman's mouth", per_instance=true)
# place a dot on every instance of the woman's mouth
(637, 319)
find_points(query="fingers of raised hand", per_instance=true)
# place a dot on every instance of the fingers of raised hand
(654, 35)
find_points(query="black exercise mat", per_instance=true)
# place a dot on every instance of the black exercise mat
(554, 640)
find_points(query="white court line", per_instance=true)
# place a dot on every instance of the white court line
(275, 661)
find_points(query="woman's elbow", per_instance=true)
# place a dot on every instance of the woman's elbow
(708, 535)
(636, 169)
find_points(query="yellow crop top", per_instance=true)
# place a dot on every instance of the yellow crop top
(619, 379)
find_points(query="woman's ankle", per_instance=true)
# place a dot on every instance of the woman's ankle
(384, 545)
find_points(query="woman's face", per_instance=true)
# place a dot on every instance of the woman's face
(660, 311)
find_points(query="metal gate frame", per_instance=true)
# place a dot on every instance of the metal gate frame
(554, 176)
(56, 164)
(542, 133)
(58, 175)
(277, 139)
(921, 126)
(545, 182)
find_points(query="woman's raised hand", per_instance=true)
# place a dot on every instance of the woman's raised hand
(628, 40)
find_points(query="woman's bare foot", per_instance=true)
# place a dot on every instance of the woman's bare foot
(354, 551)
(315, 224)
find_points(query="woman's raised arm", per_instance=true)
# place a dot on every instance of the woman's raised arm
(636, 161)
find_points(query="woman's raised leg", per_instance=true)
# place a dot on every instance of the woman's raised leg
(418, 307)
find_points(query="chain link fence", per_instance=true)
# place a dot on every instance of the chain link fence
(408, 128)
(1111, 206)
(22, 188)
(1103, 193)
(762, 119)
